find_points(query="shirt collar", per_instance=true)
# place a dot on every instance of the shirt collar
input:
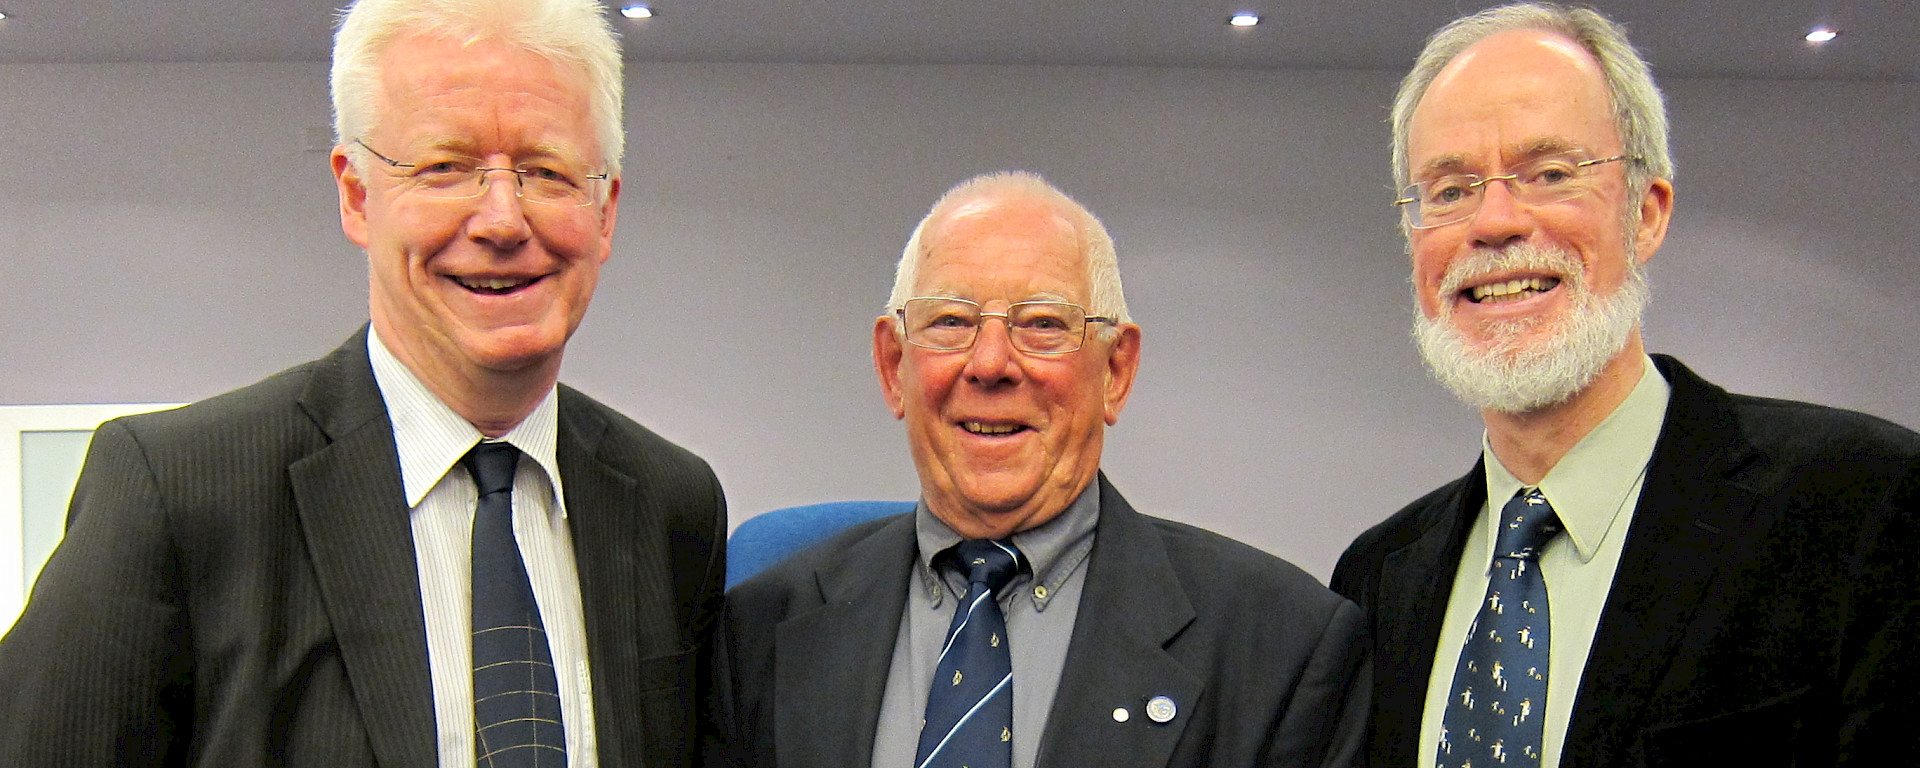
(1054, 549)
(1594, 482)
(431, 439)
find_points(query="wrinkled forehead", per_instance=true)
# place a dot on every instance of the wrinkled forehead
(472, 97)
(1514, 96)
(1004, 240)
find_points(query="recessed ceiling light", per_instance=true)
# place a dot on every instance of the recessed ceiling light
(637, 12)
(1822, 34)
(1243, 20)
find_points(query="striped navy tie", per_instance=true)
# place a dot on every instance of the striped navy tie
(516, 697)
(970, 707)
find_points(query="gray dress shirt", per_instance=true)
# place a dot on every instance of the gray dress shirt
(1040, 607)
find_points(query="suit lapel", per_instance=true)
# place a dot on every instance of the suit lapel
(843, 648)
(353, 514)
(1416, 580)
(1689, 509)
(627, 596)
(1132, 606)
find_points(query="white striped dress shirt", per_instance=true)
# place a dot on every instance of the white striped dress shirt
(431, 439)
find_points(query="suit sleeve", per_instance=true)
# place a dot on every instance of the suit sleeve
(97, 669)
(1880, 685)
(1327, 715)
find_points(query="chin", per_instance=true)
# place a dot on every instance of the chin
(1514, 369)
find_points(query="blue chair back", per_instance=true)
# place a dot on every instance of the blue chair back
(769, 537)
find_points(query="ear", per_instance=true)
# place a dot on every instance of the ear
(609, 213)
(888, 351)
(353, 196)
(1656, 209)
(1123, 360)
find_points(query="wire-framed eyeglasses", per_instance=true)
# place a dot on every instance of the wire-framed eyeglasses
(1455, 197)
(1034, 327)
(457, 177)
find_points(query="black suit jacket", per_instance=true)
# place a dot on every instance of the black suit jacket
(1267, 666)
(237, 587)
(1764, 611)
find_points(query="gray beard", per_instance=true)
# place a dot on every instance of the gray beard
(1510, 377)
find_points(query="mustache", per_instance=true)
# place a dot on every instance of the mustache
(1522, 257)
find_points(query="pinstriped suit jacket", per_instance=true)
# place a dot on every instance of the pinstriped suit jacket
(237, 587)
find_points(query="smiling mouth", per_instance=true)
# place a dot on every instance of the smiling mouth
(495, 286)
(992, 430)
(1511, 290)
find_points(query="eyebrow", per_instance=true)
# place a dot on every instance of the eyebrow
(1458, 162)
(935, 293)
(462, 146)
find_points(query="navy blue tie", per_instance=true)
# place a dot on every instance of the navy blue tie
(516, 697)
(970, 707)
(1494, 710)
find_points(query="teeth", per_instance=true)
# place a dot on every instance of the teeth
(1512, 287)
(989, 429)
(492, 283)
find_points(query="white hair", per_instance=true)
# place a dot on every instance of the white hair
(1096, 246)
(1639, 114)
(562, 31)
(1509, 376)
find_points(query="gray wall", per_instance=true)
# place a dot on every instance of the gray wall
(169, 232)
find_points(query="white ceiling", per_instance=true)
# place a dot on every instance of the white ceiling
(1714, 38)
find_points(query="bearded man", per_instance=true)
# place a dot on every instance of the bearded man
(1642, 569)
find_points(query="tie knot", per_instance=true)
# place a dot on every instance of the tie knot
(1527, 523)
(987, 561)
(491, 465)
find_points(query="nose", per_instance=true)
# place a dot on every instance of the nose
(499, 217)
(1501, 218)
(992, 360)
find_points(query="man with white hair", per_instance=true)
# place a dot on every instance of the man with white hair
(1735, 583)
(1024, 614)
(421, 549)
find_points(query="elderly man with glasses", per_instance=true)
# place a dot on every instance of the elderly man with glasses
(419, 550)
(1024, 614)
(1641, 569)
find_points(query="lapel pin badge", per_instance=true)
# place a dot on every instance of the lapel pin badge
(1161, 709)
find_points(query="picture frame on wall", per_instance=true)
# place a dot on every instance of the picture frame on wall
(42, 448)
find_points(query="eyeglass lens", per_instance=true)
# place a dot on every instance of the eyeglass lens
(1040, 327)
(1455, 197)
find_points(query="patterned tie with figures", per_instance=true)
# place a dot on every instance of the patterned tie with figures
(1499, 690)
(516, 696)
(970, 708)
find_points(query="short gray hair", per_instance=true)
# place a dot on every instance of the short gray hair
(1639, 114)
(563, 31)
(1096, 246)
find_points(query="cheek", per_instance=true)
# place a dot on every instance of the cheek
(581, 235)
(586, 275)
(409, 234)
(1078, 398)
(927, 382)
(1429, 268)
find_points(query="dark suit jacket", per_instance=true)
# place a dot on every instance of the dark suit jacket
(1267, 666)
(237, 587)
(1764, 610)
